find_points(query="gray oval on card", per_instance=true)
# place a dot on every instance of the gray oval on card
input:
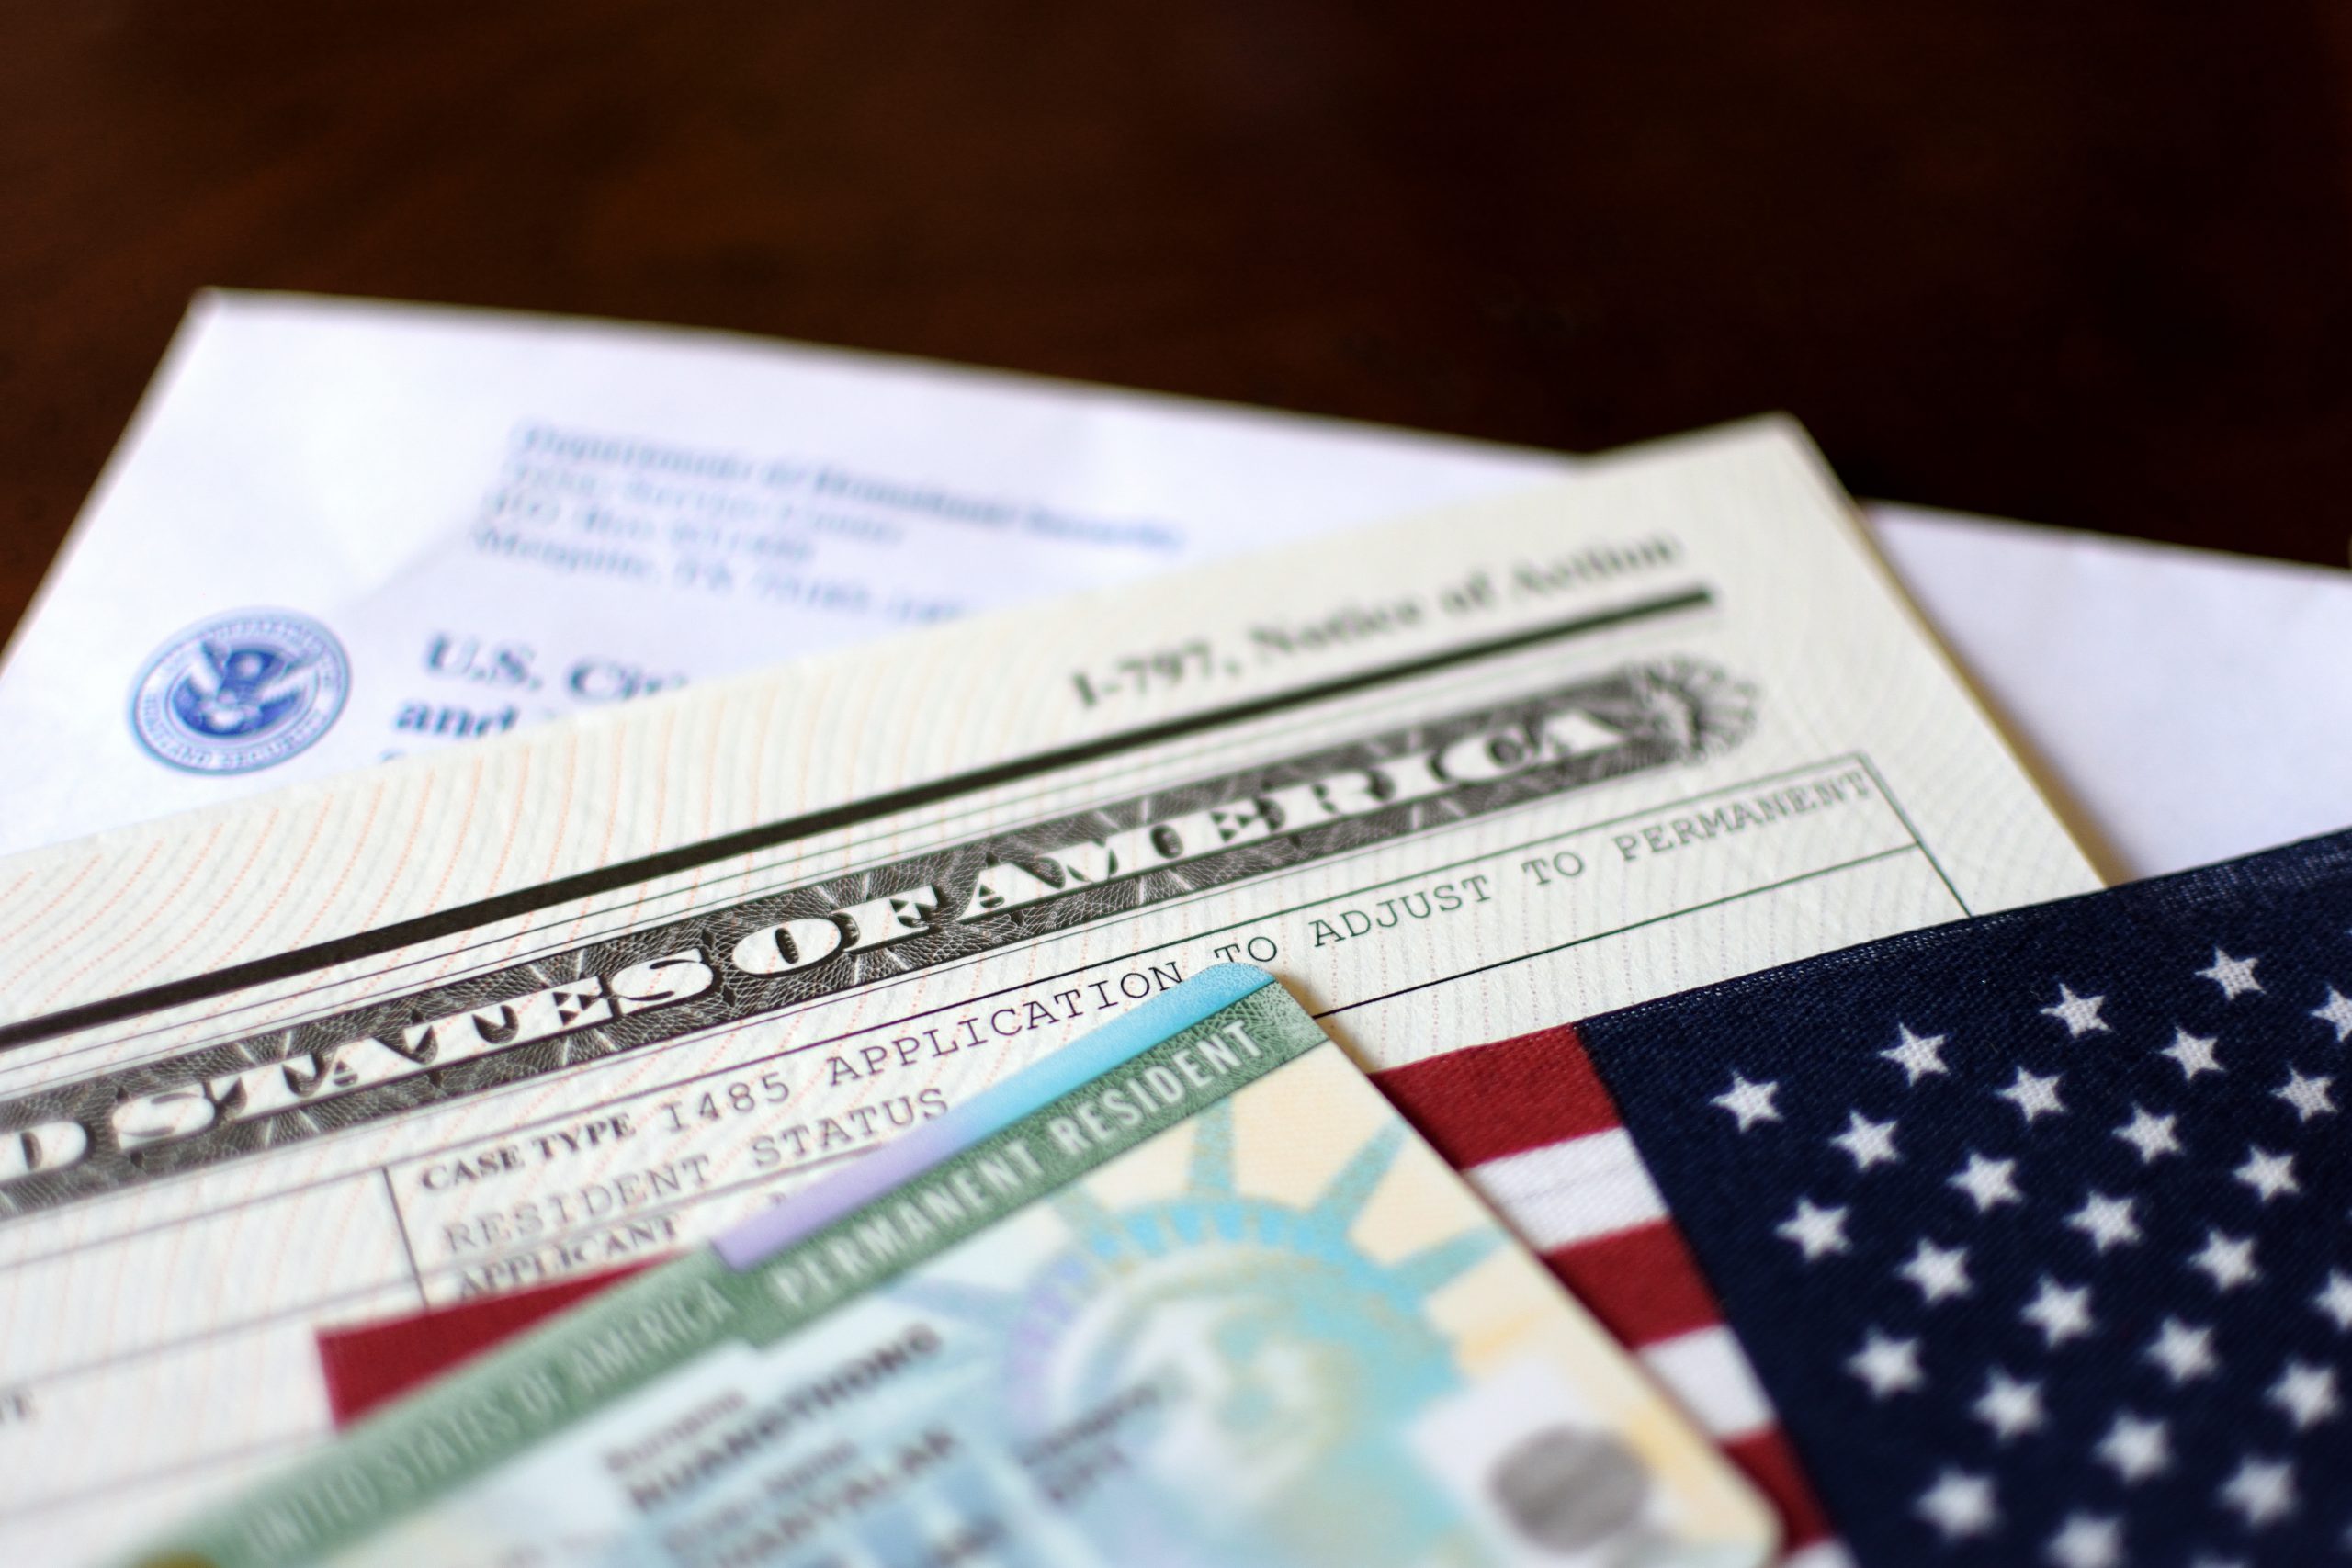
(1569, 1490)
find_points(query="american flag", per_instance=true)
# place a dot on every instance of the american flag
(2030, 1237)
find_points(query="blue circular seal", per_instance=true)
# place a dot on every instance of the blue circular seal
(240, 692)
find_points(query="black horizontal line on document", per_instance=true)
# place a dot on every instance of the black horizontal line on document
(728, 846)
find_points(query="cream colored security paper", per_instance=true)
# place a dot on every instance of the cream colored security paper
(586, 995)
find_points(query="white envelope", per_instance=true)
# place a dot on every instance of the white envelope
(403, 488)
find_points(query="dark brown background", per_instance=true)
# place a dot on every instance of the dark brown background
(2090, 265)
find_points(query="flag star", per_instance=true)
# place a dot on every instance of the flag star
(2107, 1220)
(2306, 1393)
(1888, 1366)
(1960, 1505)
(2308, 1096)
(1750, 1102)
(2079, 1014)
(2033, 1095)
(2262, 1491)
(2060, 1312)
(2087, 1541)
(2229, 1259)
(1869, 1142)
(1817, 1232)
(1917, 1055)
(2334, 1299)
(1988, 1182)
(2152, 1134)
(2193, 1051)
(2233, 974)
(2336, 1010)
(2270, 1176)
(2009, 1406)
(2135, 1449)
(2184, 1353)
(1938, 1272)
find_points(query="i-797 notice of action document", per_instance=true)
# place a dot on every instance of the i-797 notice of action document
(589, 995)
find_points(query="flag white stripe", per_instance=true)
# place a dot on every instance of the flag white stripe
(1709, 1374)
(1572, 1191)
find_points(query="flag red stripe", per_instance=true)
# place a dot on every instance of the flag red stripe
(1492, 1101)
(372, 1364)
(1642, 1283)
(1772, 1464)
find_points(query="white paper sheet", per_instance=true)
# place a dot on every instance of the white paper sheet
(2193, 705)
(495, 519)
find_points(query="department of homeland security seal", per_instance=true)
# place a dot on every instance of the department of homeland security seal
(240, 692)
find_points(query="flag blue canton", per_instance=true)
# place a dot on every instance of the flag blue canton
(2038, 1228)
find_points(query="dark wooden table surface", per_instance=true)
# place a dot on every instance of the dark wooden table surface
(2090, 265)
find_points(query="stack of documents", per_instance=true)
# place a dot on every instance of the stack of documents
(371, 993)
(460, 523)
